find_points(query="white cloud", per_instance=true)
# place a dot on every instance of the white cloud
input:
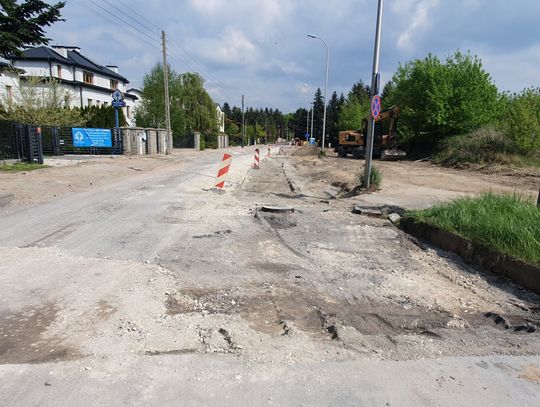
(418, 17)
(232, 47)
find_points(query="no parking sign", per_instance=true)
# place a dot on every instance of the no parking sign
(376, 104)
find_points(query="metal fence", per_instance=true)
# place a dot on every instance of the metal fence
(59, 141)
(20, 142)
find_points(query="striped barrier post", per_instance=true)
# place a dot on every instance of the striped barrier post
(223, 170)
(256, 162)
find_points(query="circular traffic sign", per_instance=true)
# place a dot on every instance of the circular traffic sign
(376, 104)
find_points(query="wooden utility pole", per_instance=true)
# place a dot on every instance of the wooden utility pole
(166, 91)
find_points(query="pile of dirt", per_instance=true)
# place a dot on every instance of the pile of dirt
(306, 151)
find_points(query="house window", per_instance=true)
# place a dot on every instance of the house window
(88, 77)
(105, 103)
(90, 102)
(59, 68)
(9, 93)
(66, 100)
(128, 110)
(114, 84)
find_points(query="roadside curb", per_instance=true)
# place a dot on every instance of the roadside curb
(524, 274)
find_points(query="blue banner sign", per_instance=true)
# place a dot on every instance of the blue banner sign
(91, 137)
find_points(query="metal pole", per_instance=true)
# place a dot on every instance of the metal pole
(243, 123)
(325, 85)
(373, 92)
(307, 122)
(312, 115)
(166, 91)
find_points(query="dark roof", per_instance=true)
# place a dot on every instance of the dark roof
(74, 58)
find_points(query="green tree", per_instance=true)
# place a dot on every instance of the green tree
(440, 98)
(151, 111)
(521, 120)
(332, 118)
(318, 112)
(22, 24)
(199, 109)
(42, 102)
(103, 117)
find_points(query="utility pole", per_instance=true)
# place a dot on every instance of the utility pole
(375, 78)
(166, 91)
(243, 124)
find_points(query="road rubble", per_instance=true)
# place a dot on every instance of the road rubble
(153, 288)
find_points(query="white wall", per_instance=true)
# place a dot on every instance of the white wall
(8, 79)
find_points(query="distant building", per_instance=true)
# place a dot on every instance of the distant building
(90, 83)
(220, 119)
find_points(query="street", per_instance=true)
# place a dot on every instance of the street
(155, 288)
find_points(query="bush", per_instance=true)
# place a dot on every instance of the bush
(482, 146)
(439, 99)
(210, 140)
(521, 120)
(507, 223)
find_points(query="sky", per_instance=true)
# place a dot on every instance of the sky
(259, 48)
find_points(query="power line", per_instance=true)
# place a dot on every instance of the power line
(122, 20)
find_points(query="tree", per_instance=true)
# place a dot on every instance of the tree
(318, 111)
(42, 102)
(443, 98)
(102, 117)
(332, 118)
(23, 24)
(199, 109)
(521, 120)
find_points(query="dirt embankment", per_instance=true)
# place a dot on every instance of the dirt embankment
(415, 185)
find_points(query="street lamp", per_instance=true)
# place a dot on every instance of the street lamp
(307, 119)
(325, 85)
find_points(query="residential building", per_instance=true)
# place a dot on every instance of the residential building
(90, 83)
(220, 119)
(9, 81)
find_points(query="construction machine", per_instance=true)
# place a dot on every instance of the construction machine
(384, 143)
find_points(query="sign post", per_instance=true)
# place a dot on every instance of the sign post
(374, 94)
(117, 102)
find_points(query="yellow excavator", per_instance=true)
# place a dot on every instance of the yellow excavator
(384, 143)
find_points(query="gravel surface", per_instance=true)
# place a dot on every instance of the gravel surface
(153, 287)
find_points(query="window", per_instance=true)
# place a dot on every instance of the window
(9, 93)
(66, 100)
(128, 112)
(59, 68)
(90, 102)
(88, 77)
(114, 84)
(105, 103)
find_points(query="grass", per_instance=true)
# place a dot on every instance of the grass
(19, 167)
(375, 179)
(484, 146)
(506, 223)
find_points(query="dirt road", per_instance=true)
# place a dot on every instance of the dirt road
(150, 288)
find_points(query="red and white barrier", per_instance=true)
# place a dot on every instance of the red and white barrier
(223, 170)
(257, 159)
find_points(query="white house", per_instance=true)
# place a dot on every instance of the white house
(9, 81)
(90, 83)
(220, 119)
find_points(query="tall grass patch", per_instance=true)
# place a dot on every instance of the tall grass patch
(506, 223)
(483, 146)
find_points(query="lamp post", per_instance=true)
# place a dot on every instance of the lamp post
(325, 85)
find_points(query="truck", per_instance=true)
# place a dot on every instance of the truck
(385, 144)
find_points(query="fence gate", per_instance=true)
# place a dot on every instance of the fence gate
(21, 142)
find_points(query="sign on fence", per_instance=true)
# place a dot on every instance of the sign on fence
(91, 137)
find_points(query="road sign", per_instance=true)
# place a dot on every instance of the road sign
(91, 137)
(117, 96)
(118, 103)
(376, 106)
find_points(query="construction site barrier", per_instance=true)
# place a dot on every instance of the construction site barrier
(223, 170)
